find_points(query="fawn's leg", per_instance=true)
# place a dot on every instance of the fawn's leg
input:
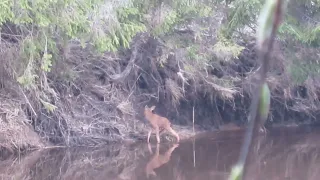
(157, 150)
(158, 136)
(161, 130)
(173, 133)
(150, 149)
(149, 134)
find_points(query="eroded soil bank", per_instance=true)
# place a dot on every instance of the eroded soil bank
(99, 99)
(60, 84)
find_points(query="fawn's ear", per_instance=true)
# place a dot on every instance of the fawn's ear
(152, 108)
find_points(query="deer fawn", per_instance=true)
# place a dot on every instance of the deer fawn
(158, 160)
(158, 123)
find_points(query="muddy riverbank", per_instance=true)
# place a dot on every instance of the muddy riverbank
(62, 89)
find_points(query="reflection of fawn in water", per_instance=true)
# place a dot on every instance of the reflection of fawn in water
(158, 160)
(158, 123)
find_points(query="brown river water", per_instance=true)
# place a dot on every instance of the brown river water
(283, 154)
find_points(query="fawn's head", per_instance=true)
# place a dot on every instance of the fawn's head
(148, 110)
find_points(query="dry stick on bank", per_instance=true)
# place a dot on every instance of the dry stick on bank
(268, 24)
(194, 140)
(193, 121)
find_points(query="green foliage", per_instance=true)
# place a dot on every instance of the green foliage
(119, 33)
(27, 78)
(168, 14)
(299, 70)
(298, 73)
(242, 13)
(83, 20)
(47, 62)
(226, 48)
(31, 49)
(106, 25)
(129, 25)
(306, 35)
(44, 23)
(49, 107)
(298, 29)
(6, 13)
(190, 9)
(196, 56)
(169, 21)
(28, 52)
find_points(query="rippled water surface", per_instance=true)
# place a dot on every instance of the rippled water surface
(284, 154)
